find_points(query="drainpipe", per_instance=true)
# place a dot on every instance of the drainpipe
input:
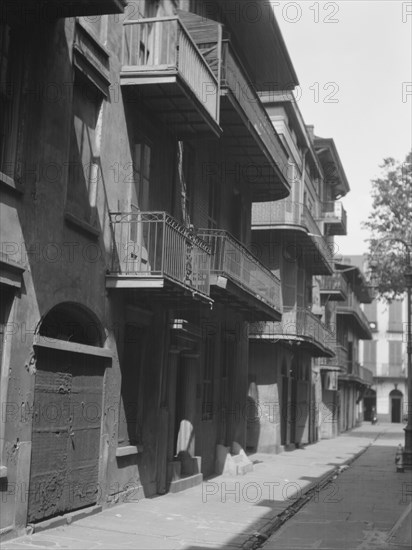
(302, 179)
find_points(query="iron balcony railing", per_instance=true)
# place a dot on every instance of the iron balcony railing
(163, 45)
(233, 260)
(390, 370)
(296, 322)
(335, 282)
(287, 212)
(155, 245)
(352, 305)
(234, 77)
(332, 212)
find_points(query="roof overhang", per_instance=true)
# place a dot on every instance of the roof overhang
(253, 29)
(332, 166)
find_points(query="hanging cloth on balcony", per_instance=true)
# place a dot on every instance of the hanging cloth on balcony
(183, 187)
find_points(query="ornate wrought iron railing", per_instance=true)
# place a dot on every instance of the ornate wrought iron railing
(163, 44)
(230, 258)
(153, 244)
(296, 322)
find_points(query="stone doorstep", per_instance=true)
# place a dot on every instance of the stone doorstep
(185, 482)
(232, 461)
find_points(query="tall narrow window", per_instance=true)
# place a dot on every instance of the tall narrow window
(10, 84)
(84, 168)
(140, 190)
(395, 353)
(395, 316)
(369, 355)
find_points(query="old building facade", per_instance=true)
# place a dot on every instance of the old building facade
(348, 289)
(134, 145)
(292, 238)
(386, 357)
(167, 225)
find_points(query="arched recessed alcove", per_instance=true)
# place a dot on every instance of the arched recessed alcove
(73, 323)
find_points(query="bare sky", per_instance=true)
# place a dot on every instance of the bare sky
(353, 61)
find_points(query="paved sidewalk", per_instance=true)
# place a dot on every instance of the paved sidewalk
(366, 507)
(223, 512)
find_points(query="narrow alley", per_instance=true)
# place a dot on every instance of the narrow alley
(351, 493)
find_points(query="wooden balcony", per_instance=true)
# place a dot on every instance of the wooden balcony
(54, 9)
(350, 308)
(164, 69)
(334, 216)
(251, 146)
(298, 326)
(250, 138)
(239, 279)
(357, 373)
(152, 251)
(334, 287)
(293, 222)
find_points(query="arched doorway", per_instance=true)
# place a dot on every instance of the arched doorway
(395, 398)
(369, 403)
(67, 412)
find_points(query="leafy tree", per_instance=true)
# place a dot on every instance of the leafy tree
(391, 216)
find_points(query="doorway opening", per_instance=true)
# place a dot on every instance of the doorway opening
(395, 398)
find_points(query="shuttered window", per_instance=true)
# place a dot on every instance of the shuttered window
(84, 177)
(10, 92)
(369, 355)
(395, 353)
(395, 316)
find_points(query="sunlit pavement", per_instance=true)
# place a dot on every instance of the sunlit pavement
(366, 507)
(357, 509)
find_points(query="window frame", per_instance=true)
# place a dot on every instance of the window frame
(14, 72)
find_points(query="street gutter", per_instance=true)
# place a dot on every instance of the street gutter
(258, 539)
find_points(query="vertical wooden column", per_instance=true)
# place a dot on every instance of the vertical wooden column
(173, 361)
(186, 435)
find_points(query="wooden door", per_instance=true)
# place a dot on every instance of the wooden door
(395, 409)
(65, 433)
(285, 410)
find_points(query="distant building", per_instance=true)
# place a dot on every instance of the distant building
(385, 355)
(132, 147)
(293, 361)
